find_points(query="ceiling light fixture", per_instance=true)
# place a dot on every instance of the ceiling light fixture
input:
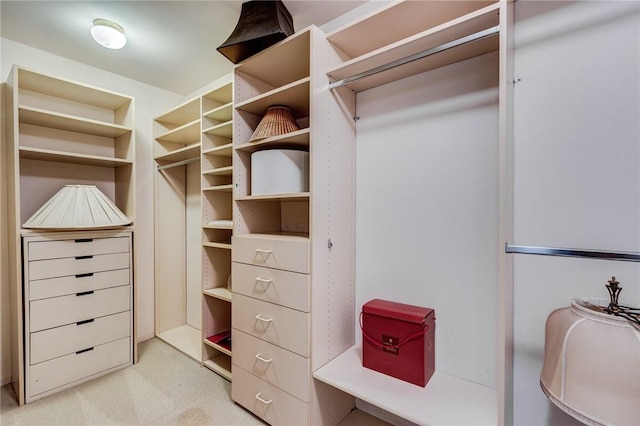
(108, 34)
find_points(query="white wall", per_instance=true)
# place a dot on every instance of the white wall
(577, 169)
(150, 101)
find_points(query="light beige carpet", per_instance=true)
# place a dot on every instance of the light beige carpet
(165, 387)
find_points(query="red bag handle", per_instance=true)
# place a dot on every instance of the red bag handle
(383, 346)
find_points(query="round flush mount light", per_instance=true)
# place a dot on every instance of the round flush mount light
(108, 34)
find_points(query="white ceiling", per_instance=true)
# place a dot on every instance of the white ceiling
(171, 44)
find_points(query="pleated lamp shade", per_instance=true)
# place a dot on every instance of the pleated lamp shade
(278, 120)
(591, 365)
(77, 207)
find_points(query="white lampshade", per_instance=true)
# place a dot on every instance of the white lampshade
(77, 207)
(108, 34)
(592, 364)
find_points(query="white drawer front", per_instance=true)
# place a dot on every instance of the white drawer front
(284, 369)
(273, 251)
(284, 288)
(53, 268)
(53, 287)
(39, 250)
(59, 341)
(282, 326)
(266, 401)
(63, 310)
(67, 369)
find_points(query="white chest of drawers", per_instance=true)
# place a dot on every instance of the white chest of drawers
(78, 299)
(271, 327)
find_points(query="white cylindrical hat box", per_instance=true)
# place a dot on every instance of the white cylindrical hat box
(279, 171)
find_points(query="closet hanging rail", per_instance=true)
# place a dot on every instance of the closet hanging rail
(420, 55)
(177, 163)
(568, 252)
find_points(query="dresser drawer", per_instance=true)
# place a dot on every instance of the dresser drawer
(70, 368)
(53, 287)
(273, 251)
(266, 401)
(39, 250)
(276, 324)
(59, 341)
(280, 367)
(41, 269)
(285, 288)
(63, 310)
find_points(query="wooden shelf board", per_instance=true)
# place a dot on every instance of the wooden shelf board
(186, 112)
(221, 293)
(297, 139)
(55, 120)
(220, 364)
(223, 112)
(191, 151)
(445, 400)
(217, 227)
(275, 197)
(474, 22)
(362, 418)
(224, 246)
(184, 338)
(221, 151)
(220, 171)
(66, 157)
(223, 188)
(224, 130)
(185, 134)
(293, 95)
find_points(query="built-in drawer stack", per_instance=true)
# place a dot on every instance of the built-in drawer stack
(271, 326)
(78, 308)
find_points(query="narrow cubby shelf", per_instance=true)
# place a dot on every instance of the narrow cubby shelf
(298, 139)
(224, 246)
(222, 150)
(275, 197)
(71, 158)
(186, 133)
(294, 95)
(60, 121)
(225, 227)
(225, 188)
(224, 130)
(220, 364)
(220, 348)
(220, 171)
(221, 293)
(221, 113)
(186, 153)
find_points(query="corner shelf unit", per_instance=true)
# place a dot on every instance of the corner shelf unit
(371, 58)
(217, 227)
(60, 132)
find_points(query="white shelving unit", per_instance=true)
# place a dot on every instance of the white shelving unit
(60, 132)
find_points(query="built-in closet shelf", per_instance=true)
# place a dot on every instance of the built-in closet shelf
(220, 364)
(221, 293)
(275, 197)
(186, 133)
(223, 188)
(472, 23)
(186, 153)
(224, 130)
(298, 139)
(221, 151)
(220, 171)
(224, 246)
(218, 347)
(445, 400)
(71, 158)
(221, 113)
(218, 227)
(294, 95)
(71, 123)
(184, 338)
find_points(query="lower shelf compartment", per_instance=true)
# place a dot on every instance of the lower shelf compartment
(445, 400)
(186, 339)
(220, 364)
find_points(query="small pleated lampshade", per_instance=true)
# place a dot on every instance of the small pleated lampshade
(277, 121)
(78, 207)
(591, 366)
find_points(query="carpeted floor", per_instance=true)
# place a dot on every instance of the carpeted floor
(165, 387)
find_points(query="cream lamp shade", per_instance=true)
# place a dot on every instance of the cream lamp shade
(77, 207)
(592, 364)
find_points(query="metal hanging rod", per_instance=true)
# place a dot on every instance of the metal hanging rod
(432, 51)
(568, 252)
(177, 163)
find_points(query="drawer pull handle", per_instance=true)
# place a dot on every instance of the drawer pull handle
(84, 350)
(264, 401)
(84, 240)
(260, 318)
(88, 274)
(84, 257)
(84, 293)
(266, 281)
(259, 357)
(85, 321)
